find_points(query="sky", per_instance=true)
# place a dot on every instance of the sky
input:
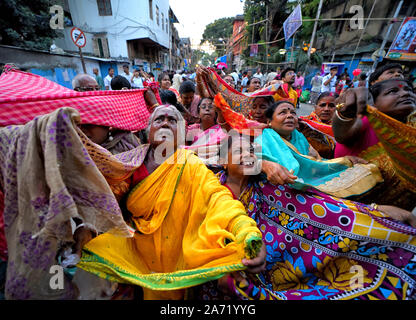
(194, 15)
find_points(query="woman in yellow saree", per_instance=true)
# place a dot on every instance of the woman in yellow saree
(187, 227)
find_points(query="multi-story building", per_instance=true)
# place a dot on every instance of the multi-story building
(186, 52)
(237, 42)
(353, 44)
(123, 31)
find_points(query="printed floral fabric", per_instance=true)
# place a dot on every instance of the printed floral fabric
(321, 247)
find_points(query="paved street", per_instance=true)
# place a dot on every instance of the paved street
(305, 109)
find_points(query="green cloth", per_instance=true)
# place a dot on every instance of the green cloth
(100, 82)
(310, 173)
(305, 96)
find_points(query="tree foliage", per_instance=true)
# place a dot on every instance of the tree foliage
(220, 28)
(25, 23)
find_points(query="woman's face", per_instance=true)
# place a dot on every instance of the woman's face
(164, 128)
(97, 134)
(207, 110)
(230, 81)
(396, 99)
(254, 85)
(284, 120)
(241, 158)
(187, 98)
(325, 109)
(258, 110)
(165, 82)
(390, 74)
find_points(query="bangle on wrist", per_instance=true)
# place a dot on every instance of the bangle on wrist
(374, 206)
(342, 118)
(155, 105)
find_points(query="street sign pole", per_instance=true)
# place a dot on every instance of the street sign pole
(82, 60)
(79, 39)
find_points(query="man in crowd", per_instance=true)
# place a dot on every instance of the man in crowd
(316, 84)
(329, 81)
(246, 76)
(136, 80)
(85, 82)
(126, 73)
(108, 78)
(98, 79)
(259, 75)
(286, 91)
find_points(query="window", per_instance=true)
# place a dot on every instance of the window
(151, 9)
(104, 7)
(157, 15)
(167, 26)
(163, 21)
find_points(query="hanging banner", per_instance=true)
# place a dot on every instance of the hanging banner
(292, 23)
(254, 49)
(404, 45)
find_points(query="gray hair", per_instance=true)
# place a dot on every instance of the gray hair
(79, 78)
(180, 121)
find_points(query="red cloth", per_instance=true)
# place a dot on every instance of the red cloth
(140, 174)
(24, 96)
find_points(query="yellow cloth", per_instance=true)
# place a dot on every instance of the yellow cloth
(286, 93)
(190, 230)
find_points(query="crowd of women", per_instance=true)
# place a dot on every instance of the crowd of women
(224, 195)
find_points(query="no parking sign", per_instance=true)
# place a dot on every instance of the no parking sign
(78, 37)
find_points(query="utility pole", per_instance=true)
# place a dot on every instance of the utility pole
(267, 36)
(380, 51)
(314, 28)
(291, 49)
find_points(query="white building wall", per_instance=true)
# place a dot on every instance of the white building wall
(129, 20)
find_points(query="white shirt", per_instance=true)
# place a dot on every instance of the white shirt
(137, 83)
(316, 83)
(127, 76)
(107, 82)
(331, 85)
(235, 76)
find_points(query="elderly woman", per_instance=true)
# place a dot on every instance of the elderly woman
(253, 84)
(284, 144)
(259, 108)
(229, 80)
(188, 228)
(313, 241)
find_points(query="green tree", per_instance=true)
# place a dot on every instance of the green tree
(25, 23)
(219, 29)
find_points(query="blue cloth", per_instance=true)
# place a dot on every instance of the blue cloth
(310, 173)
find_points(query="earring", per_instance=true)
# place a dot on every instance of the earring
(110, 137)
